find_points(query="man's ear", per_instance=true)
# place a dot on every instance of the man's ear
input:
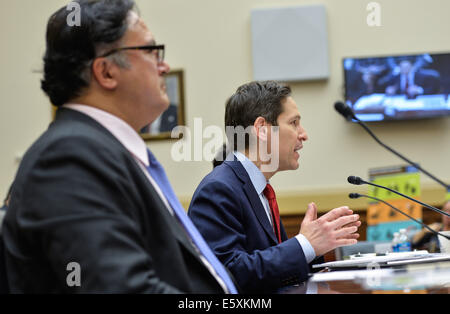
(105, 73)
(261, 128)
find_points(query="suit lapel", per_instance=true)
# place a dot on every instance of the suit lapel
(177, 229)
(259, 210)
(181, 235)
(253, 198)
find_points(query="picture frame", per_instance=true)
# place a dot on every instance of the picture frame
(161, 128)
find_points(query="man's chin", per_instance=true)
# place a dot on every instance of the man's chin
(291, 166)
(164, 105)
(165, 97)
(294, 165)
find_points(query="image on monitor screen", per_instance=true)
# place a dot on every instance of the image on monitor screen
(398, 87)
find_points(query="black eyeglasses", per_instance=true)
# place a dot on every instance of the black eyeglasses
(149, 48)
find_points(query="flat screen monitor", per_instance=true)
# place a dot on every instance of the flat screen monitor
(398, 87)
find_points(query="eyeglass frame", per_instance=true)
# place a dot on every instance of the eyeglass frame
(150, 48)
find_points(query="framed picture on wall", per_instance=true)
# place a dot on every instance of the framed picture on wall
(161, 128)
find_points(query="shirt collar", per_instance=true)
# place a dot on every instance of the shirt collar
(121, 130)
(256, 176)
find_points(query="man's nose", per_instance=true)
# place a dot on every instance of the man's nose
(302, 135)
(163, 68)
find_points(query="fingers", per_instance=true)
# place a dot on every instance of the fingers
(344, 221)
(356, 223)
(347, 236)
(351, 236)
(311, 212)
(345, 232)
(336, 213)
(346, 242)
(336, 228)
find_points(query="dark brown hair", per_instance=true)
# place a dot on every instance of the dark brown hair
(253, 100)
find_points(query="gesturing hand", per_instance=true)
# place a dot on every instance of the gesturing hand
(334, 229)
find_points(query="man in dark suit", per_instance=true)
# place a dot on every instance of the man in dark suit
(235, 207)
(413, 82)
(91, 208)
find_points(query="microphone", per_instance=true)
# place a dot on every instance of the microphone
(357, 195)
(348, 114)
(354, 195)
(355, 180)
(345, 110)
(358, 181)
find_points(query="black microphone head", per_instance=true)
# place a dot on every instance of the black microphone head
(354, 195)
(344, 110)
(355, 180)
(340, 107)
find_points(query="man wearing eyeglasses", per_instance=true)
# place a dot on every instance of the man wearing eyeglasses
(91, 208)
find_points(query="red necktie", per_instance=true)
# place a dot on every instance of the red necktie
(269, 193)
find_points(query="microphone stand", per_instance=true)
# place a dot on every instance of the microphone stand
(357, 195)
(358, 181)
(348, 113)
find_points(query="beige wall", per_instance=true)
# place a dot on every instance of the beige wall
(210, 40)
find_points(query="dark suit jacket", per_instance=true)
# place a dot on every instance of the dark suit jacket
(229, 214)
(79, 196)
(427, 79)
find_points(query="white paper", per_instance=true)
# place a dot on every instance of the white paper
(367, 260)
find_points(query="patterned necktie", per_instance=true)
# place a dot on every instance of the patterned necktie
(158, 174)
(269, 193)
